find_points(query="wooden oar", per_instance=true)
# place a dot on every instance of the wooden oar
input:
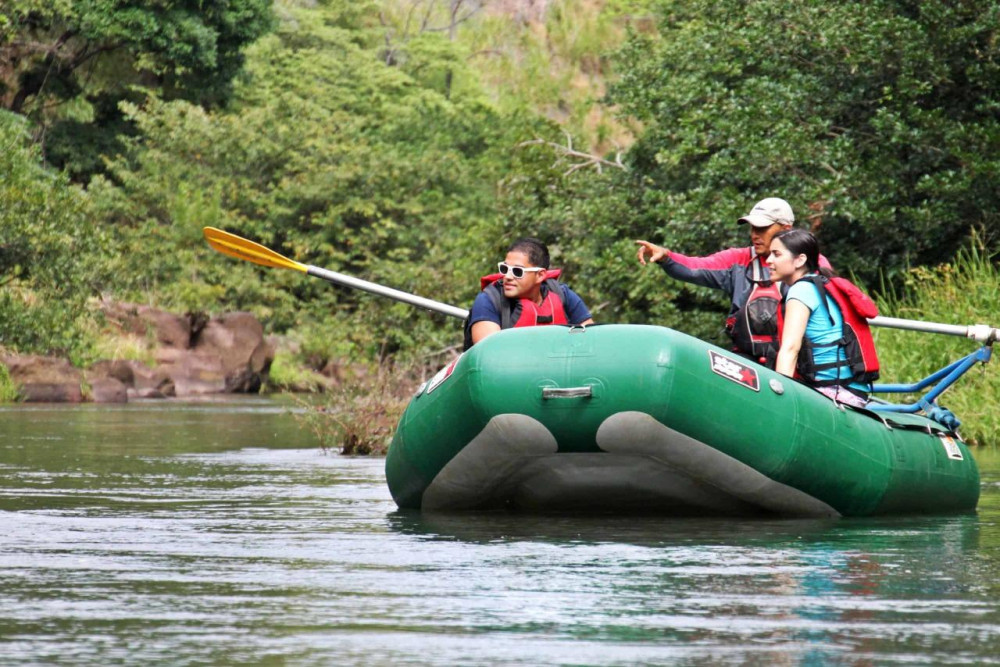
(241, 248)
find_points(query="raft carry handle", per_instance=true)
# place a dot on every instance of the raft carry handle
(567, 392)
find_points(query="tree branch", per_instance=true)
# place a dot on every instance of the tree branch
(578, 159)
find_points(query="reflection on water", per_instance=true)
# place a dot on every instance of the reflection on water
(219, 533)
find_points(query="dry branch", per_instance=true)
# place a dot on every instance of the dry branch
(578, 159)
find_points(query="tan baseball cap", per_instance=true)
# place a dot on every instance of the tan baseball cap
(768, 211)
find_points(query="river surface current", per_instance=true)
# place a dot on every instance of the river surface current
(220, 533)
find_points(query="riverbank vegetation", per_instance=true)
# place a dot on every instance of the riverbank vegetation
(965, 291)
(407, 141)
(360, 413)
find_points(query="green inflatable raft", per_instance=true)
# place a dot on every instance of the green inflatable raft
(631, 418)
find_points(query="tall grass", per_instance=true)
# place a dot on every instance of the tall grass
(8, 390)
(964, 292)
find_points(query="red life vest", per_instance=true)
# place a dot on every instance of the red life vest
(524, 312)
(530, 314)
(856, 342)
(755, 327)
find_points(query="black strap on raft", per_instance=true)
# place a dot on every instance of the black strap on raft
(893, 424)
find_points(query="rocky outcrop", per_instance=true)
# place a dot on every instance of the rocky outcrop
(108, 390)
(237, 341)
(192, 355)
(139, 380)
(44, 379)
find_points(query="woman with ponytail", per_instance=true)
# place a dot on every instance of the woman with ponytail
(812, 343)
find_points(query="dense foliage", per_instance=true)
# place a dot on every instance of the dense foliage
(407, 141)
(68, 63)
(51, 259)
(878, 120)
(336, 158)
(964, 292)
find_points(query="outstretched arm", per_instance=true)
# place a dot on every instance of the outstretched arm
(713, 271)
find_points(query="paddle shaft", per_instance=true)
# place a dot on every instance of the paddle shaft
(381, 290)
(982, 333)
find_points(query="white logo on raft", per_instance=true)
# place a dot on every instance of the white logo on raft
(737, 371)
(951, 448)
(442, 375)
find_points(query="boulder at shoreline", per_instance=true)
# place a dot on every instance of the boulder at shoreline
(191, 355)
(44, 379)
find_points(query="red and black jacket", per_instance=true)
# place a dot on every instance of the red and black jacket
(752, 321)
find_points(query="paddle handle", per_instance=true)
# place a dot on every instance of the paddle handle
(982, 333)
(381, 290)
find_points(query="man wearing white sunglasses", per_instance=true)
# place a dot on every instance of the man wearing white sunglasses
(525, 293)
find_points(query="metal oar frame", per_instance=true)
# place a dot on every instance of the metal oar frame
(941, 380)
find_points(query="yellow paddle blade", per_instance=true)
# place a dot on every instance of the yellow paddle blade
(241, 248)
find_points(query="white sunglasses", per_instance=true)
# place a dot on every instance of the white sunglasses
(516, 271)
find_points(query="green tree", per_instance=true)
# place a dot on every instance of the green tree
(331, 155)
(877, 120)
(52, 259)
(67, 64)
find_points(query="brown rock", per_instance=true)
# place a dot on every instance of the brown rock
(237, 340)
(196, 354)
(108, 390)
(139, 380)
(48, 392)
(151, 383)
(192, 372)
(170, 329)
(44, 379)
(119, 369)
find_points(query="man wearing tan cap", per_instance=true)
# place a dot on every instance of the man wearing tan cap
(752, 322)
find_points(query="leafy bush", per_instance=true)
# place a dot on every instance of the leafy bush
(287, 373)
(68, 64)
(8, 390)
(331, 156)
(52, 256)
(876, 120)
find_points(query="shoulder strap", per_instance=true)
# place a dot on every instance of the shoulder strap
(757, 270)
(501, 303)
(852, 296)
(819, 282)
(558, 288)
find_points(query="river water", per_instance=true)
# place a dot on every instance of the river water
(219, 533)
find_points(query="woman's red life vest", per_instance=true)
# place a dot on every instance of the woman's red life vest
(856, 342)
(755, 326)
(524, 312)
